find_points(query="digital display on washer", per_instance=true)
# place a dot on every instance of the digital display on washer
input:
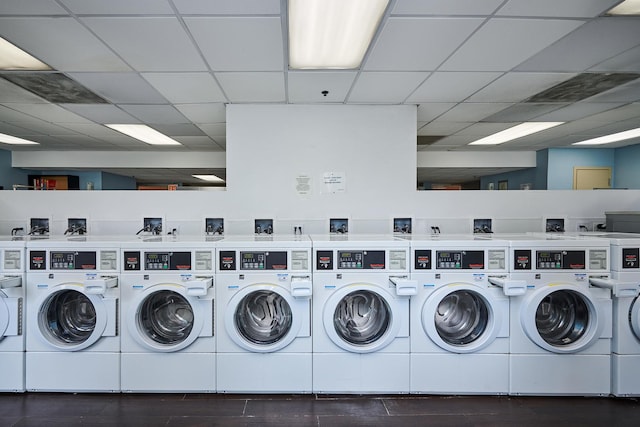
(522, 259)
(72, 260)
(460, 260)
(37, 260)
(422, 259)
(560, 260)
(324, 260)
(167, 261)
(266, 260)
(361, 260)
(630, 258)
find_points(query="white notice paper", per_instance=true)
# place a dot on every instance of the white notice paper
(334, 182)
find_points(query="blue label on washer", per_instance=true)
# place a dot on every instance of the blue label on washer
(42, 286)
(428, 285)
(137, 286)
(329, 286)
(233, 287)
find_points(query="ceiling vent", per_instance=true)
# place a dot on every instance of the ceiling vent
(583, 86)
(54, 87)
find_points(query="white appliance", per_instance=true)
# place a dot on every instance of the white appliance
(72, 315)
(263, 318)
(561, 327)
(361, 293)
(625, 286)
(168, 342)
(459, 319)
(12, 314)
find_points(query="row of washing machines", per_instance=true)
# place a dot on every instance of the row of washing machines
(513, 314)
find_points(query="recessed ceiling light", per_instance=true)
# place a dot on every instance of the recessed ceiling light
(14, 58)
(145, 134)
(8, 139)
(332, 33)
(614, 137)
(515, 132)
(627, 7)
(209, 178)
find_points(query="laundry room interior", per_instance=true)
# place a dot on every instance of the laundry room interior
(312, 244)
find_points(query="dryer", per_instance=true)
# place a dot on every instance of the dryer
(168, 342)
(263, 299)
(72, 339)
(361, 293)
(12, 314)
(561, 327)
(459, 319)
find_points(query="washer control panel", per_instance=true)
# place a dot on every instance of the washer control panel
(459, 260)
(255, 260)
(72, 260)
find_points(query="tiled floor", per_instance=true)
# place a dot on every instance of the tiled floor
(53, 410)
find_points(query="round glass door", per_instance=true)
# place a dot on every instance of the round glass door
(68, 318)
(634, 317)
(562, 318)
(4, 317)
(166, 317)
(263, 317)
(362, 317)
(461, 317)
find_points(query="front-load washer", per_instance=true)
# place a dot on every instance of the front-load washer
(561, 327)
(361, 293)
(459, 319)
(263, 318)
(168, 342)
(12, 314)
(72, 315)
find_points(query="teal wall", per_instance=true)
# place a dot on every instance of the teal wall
(117, 182)
(562, 161)
(514, 179)
(8, 175)
(627, 172)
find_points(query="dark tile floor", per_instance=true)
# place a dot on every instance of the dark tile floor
(68, 410)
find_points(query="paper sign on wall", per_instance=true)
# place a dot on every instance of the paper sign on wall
(303, 185)
(334, 182)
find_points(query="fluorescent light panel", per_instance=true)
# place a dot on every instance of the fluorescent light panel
(14, 58)
(627, 7)
(8, 139)
(332, 34)
(144, 133)
(515, 132)
(209, 178)
(614, 137)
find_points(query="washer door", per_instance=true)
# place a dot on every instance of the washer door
(164, 318)
(362, 318)
(71, 320)
(264, 317)
(4, 316)
(634, 317)
(462, 318)
(562, 318)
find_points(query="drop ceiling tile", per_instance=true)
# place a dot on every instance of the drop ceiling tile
(239, 43)
(629, 92)
(253, 87)
(425, 43)
(31, 7)
(480, 130)
(385, 87)
(228, 7)
(193, 141)
(46, 128)
(120, 88)
(626, 112)
(442, 128)
(10, 92)
(49, 113)
(472, 112)
(579, 110)
(214, 130)
(589, 45)
(186, 87)
(184, 129)
(9, 115)
(221, 141)
(17, 130)
(204, 113)
(307, 86)
(446, 7)
(101, 113)
(429, 111)
(454, 141)
(451, 87)
(156, 114)
(557, 9)
(119, 7)
(62, 43)
(504, 43)
(516, 87)
(628, 61)
(149, 43)
(522, 112)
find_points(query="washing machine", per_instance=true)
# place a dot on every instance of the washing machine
(361, 296)
(459, 318)
(72, 338)
(12, 314)
(561, 326)
(168, 341)
(263, 317)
